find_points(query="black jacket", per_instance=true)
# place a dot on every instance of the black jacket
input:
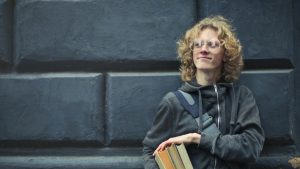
(241, 139)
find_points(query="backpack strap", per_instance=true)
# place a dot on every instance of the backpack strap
(193, 104)
(189, 102)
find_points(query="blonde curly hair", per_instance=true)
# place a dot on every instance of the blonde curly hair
(233, 59)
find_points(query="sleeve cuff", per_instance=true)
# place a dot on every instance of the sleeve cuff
(208, 142)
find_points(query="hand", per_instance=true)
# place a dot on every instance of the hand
(185, 139)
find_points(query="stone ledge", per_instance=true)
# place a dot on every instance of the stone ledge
(71, 158)
(74, 162)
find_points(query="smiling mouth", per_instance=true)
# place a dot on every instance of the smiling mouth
(204, 57)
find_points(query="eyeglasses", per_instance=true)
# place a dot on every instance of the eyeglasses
(212, 44)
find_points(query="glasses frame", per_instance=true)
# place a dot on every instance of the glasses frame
(213, 43)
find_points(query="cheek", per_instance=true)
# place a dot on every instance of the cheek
(194, 57)
(218, 59)
(219, 56)
(194, 54)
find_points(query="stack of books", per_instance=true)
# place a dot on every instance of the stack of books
(173, 157)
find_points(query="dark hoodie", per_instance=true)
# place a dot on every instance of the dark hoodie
(241, 139)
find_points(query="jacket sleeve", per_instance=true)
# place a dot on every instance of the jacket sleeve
(161, 130)
(246, 142)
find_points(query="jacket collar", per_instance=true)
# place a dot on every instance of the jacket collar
(193, 86)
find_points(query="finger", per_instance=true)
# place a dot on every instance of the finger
(159, 148)
(155, 152)
(166, 144)
(163, 146)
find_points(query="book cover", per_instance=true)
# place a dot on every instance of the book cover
(184, 156)
(159, 162)
(164, 160)
(173, 157)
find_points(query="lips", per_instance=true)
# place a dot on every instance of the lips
(203, 55)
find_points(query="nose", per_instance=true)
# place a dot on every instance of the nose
(204, 49)
(204, 52)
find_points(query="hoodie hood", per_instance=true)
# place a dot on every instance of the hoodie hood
(192, 86)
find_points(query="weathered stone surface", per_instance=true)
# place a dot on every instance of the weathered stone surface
(51, 107)
(132, 101)
(71, 162)
(129, 35)
(5, 32)
(265, 28)
(100, 30)
(274, 93)
(296, 117)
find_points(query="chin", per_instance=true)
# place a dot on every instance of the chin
(204, 67)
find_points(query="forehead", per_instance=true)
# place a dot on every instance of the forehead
(208, 33)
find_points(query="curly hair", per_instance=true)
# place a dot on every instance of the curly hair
(233, 59)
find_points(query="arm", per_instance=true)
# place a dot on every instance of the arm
(185, 139)
(163, 126)
(246, 142)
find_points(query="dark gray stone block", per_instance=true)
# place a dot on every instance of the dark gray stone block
(72, 162)
(132, 101)
(5, 32)
(265, 28)
(274, 93)
(52, 107)
(100, 30)
(296, 117)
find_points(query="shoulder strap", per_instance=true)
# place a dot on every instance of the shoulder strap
(189, 102)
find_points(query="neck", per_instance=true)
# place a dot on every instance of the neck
(206, 78)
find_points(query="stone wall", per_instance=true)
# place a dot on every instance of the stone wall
(81, 80)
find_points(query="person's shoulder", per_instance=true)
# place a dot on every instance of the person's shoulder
(170, 101)
(170, 96)
(242, 90)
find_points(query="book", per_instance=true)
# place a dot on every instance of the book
(159, 162)
(184, 156)
(164, 160)
(173, 157)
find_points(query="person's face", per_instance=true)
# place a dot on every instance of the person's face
(208, 51)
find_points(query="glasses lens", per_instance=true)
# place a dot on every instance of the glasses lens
(213, 43)
(210, 44)
(197, 44)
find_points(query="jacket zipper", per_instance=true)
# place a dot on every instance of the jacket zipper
(219, 115)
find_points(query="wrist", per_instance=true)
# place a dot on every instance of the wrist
(195, 138)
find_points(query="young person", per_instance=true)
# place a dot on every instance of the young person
(211, 60)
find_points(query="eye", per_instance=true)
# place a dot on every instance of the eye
(210, 44)
(197, 44)
(213, 44)
(216, 43)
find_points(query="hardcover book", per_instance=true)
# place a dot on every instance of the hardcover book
(173, 157)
